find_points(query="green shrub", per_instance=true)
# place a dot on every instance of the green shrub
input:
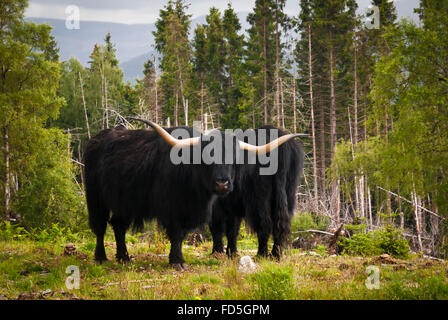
(54, 234)
(390, 240)
(321, 250)
(385, 240)
(9, 231)
(305, 221)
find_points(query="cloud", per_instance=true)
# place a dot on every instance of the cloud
(134, 11)
(118, 15)
(147, 11)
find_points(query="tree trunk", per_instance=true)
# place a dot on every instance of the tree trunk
(417, 220)
(156, 92)
(332, 105)
(265, 73)
(313, 131)
(355, 94)
(282, 103)
(358, 180)
(176, 106)
(186, 112)
(202, 103)
(335, 184)
(253, 105)
(277, 71)
(322, 142)
(84, 104)
(294, 106)
(369, 203)
(7, 193)
(181, 83)
(106, 103)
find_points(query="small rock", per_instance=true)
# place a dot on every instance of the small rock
(25, 296)
(195, 239)
(332, 256)
(312, 253)
(246, 265)
(385, 259)
(399, 266)
(45, 292)
(69, 249)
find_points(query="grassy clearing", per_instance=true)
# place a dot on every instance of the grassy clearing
(35, 270)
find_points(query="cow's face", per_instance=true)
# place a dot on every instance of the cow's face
(218, 159)
(222, 179)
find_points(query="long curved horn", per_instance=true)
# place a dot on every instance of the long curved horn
(269, 146)
(179, 143)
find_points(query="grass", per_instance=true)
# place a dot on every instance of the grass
(36, 270)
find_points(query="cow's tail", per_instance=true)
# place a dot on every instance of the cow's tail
(98, 212)
(281, 216)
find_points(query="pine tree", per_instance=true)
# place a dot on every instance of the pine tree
(200, 66)
(233, 69)
(260, 58)
(171, 39)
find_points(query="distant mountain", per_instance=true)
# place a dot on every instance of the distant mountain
(133, 42)
(133, 69)
(130, 40)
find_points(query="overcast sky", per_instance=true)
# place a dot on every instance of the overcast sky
(145, 11)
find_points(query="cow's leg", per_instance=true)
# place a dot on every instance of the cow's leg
(281, 219)
(232, 228)
(263, 228)
(98, 223)
(263, 238)
(176, 258)
(100, 251)
(120, 228)
(216, 226)
(281, 233)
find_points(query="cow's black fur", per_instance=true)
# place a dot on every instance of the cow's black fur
(266, 202)
(130, 179)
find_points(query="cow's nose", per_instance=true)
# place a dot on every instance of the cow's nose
(222, 184)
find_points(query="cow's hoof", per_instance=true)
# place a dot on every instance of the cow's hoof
(123, 259)
(262, 256)
(275, 256)
(233, 255)
(217, 255)
(100, 260)
(180, 266)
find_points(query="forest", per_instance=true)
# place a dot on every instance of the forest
(372, 101)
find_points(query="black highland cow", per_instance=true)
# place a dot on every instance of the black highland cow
(266, 202)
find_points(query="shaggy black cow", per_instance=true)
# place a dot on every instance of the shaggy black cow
(130, 178)
(267, 202)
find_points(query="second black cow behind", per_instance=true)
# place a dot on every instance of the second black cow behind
(266, 202)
